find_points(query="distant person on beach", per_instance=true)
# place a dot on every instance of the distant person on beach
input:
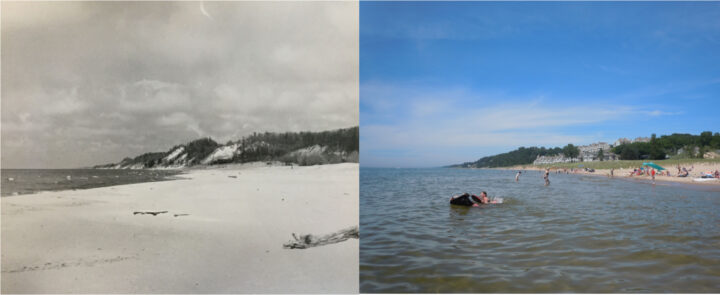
(717, 174)
(684, 173)
(517, 176)
(547, 176)
(612, 172)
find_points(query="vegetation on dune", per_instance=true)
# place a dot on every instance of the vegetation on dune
(278, 146)
(303, 148)
(199, 149)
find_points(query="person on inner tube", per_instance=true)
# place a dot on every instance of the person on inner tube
(470, 200)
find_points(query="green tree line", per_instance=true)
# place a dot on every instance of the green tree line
(520, 156)
(676, 145)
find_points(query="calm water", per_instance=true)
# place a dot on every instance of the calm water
(580, 234)
(27, 181)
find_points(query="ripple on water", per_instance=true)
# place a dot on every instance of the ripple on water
(581, 234)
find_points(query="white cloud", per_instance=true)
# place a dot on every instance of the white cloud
(163, 73)
(63, 102)
(175, 119)
(463, 124)
(153, 96)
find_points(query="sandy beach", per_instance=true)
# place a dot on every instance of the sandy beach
(696, 169)
(223, 232)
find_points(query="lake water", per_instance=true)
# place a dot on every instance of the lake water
(28, 181)
(580, 234)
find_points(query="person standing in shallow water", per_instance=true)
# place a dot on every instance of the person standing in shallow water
(517, 176)
(653, 176)
(547, 176)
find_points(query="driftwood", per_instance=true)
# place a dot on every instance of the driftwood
(307, 241)
(154, 213)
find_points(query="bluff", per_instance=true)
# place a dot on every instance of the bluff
(302, 148)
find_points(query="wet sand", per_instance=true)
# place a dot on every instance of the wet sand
(223, 232)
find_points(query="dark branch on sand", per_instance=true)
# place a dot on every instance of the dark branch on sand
(307, 241)
(154, 213)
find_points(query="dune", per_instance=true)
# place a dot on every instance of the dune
(219, 234)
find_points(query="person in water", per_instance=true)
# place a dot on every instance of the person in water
(652, 172)
(517, 176)
(547, 176)
(470, 200)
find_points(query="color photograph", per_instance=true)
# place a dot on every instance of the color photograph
(539, 147)
(179, 147)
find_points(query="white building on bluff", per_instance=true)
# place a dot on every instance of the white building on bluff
(622, 141)
(553, 159)
(588, 153)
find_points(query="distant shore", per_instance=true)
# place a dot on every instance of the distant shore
(217, 230)
(626, 167)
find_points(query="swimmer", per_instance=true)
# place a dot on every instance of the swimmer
(517, 176)
(470, 200)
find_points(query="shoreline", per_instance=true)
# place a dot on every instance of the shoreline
(174, 174)
(623, 174)
(221, 230)
(179, 172)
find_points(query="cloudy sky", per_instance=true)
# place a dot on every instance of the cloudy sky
(87, 83)
(450, 82)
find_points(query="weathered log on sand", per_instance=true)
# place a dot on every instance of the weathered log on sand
(309, 240)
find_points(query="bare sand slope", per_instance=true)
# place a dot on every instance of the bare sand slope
(89, 241)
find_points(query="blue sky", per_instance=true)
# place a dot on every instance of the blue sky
(449, 82)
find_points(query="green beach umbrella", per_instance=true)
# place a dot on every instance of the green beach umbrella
(656, 166)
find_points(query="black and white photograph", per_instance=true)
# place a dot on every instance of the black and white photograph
(180, 147)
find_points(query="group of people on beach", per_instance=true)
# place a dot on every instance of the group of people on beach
(681, 172)
(647, 172)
